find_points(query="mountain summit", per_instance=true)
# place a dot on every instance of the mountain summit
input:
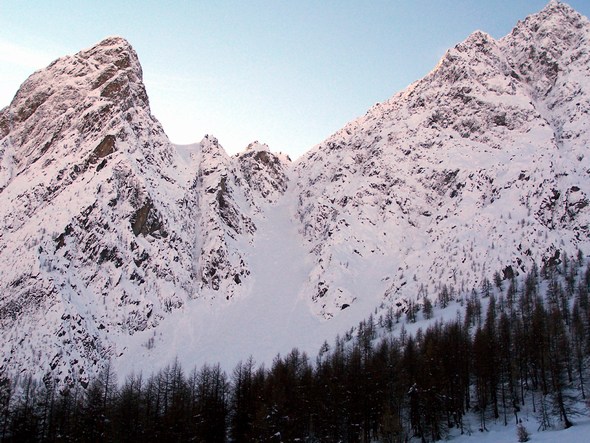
(115, 243)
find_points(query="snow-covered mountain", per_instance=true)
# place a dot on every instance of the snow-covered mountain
(115, 243)
(106, 226)
(479, 167)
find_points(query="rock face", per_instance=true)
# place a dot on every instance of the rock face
(106, 227)
(479, 166)
(82, 162)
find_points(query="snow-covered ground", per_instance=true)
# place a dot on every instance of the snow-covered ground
(274, 315)
(498, 433)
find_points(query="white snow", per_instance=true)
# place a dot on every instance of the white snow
(274, 314)
(498, 433)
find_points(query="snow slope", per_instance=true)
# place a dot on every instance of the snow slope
(115, 243)
(275, 315)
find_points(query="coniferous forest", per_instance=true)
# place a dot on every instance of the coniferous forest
(516, 344)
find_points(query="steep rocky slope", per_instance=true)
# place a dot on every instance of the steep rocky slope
(115, 243)
(106, 226)
(480, 167)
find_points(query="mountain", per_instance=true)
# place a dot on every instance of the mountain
(479, 167)
(106, 226)
(115, 243)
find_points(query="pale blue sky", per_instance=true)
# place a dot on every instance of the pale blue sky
(287, 73)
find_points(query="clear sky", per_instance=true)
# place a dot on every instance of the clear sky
(284, 72)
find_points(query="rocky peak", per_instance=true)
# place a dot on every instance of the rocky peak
(542, 45)
(257, 146)
(470, 60)
(554, 28)
(73, 104)
(555, 15)
(264, 171)
(114, 50)
(215, 163)
(211, 149)
(559, 8)
(118, 74)
(478, 39)
(102, 68)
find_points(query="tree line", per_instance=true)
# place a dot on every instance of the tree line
(518, 343)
